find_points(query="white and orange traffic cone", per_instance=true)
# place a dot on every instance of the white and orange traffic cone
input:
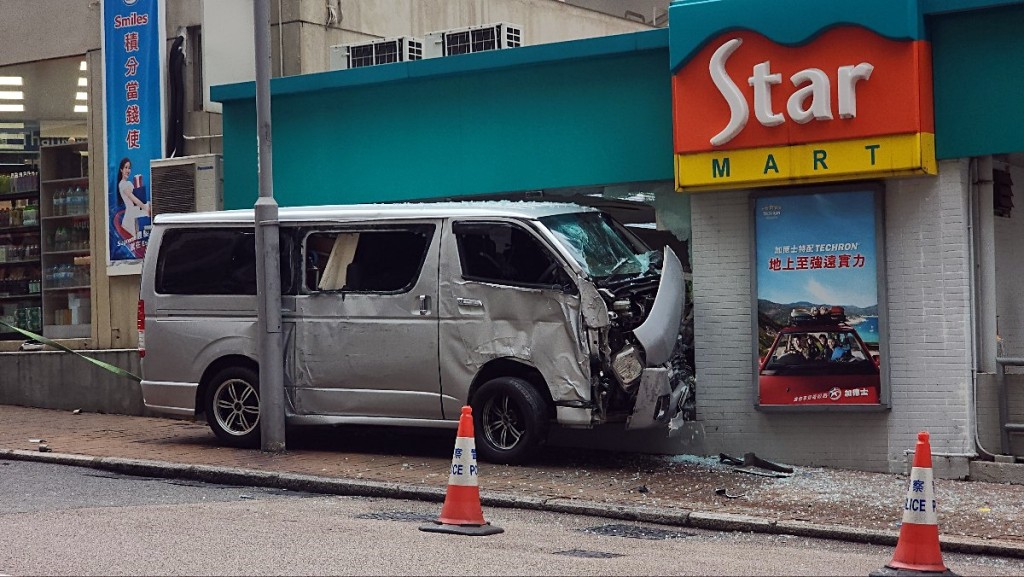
(917, 550)
(461, 513)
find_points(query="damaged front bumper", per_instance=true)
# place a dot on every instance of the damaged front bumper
(656, 400)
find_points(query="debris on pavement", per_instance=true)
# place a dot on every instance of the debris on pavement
(44, 448)
(751, 462)
(76, 412)
(722, 491)
(752, 471)
(37, 440)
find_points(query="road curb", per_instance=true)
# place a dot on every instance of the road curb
(366, 488)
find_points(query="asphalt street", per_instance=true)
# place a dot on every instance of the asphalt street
(685, 491)
(62, 520)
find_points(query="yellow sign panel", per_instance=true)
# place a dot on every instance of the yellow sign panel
(899, 155)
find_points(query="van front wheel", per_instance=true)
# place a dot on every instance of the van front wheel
(510, 420)
(233, 406)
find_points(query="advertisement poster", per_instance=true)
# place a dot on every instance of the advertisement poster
(817, 299)
(133, 40)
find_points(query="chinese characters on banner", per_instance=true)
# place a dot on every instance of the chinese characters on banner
(817, 299)
(133, 40)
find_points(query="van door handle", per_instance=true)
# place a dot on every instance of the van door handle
(469, 302)
(424, 305)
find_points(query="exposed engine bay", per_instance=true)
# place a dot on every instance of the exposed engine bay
(635, 348)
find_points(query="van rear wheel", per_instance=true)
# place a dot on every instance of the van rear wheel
(510, 419)
(233, 406)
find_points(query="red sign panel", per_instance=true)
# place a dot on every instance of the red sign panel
(744, 91)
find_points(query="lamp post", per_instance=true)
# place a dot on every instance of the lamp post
(268, 250)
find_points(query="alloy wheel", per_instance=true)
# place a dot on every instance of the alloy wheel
(237, 406)
(502, 423)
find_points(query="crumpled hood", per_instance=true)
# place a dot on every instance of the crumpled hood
(658, 333)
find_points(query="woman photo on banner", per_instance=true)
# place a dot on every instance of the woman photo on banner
(132, 214)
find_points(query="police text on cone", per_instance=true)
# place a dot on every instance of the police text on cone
(461, 512)
(918, 547)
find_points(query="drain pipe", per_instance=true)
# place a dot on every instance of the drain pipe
(980, 177)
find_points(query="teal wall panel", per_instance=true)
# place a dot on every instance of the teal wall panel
(575, 122)
(693, 23)
(978, 65)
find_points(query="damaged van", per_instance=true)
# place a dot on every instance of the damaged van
(533, 313)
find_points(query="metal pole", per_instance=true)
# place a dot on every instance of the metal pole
(268, 250)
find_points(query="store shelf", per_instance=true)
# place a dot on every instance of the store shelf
(83, 215)
(67, 331)
(65, 289)
(63, 166)
(25, 297)
(19, 229)
(20, 262)
(80, 252)
(69, 180)
(19, 195)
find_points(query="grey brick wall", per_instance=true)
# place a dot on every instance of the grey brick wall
(929, 296)
(928, 291)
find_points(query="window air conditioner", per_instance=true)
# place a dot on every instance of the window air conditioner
(186, 184)
(472, 39)
(359, 55)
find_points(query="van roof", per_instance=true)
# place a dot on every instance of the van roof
(405, 210)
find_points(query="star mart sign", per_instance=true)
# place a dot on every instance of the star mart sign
(850, 104)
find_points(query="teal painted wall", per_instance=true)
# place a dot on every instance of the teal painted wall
(978, 65)
(789, 22)
(580, 113)
(549, 124)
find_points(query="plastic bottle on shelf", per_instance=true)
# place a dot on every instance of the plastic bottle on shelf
(83, 200)
(29, 215)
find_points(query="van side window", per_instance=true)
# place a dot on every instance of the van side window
(214, 261)
(366, 260)
(502, 253)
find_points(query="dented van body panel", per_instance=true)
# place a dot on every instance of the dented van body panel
(399, 314)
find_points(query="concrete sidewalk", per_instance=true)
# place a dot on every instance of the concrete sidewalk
(974, 517)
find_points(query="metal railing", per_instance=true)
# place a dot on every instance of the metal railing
(1006, 428)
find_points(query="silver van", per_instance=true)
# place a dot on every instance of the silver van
(533, 313)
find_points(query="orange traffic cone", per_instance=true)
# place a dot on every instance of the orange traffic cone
(461, 513)
(917, 550)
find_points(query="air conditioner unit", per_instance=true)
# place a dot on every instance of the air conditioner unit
(385, 51)
(472, 39)
(187, 184)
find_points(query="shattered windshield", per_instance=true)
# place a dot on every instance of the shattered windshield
(599, 245)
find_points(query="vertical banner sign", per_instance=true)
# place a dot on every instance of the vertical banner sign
(817, 299)
(133, 48)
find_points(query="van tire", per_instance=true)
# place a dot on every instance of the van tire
(510, 420)
(233, 406)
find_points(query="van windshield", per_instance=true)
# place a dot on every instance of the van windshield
(600, 244)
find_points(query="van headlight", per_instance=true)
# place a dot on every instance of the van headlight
(627, 366)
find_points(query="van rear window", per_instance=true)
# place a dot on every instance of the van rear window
(209, 261)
